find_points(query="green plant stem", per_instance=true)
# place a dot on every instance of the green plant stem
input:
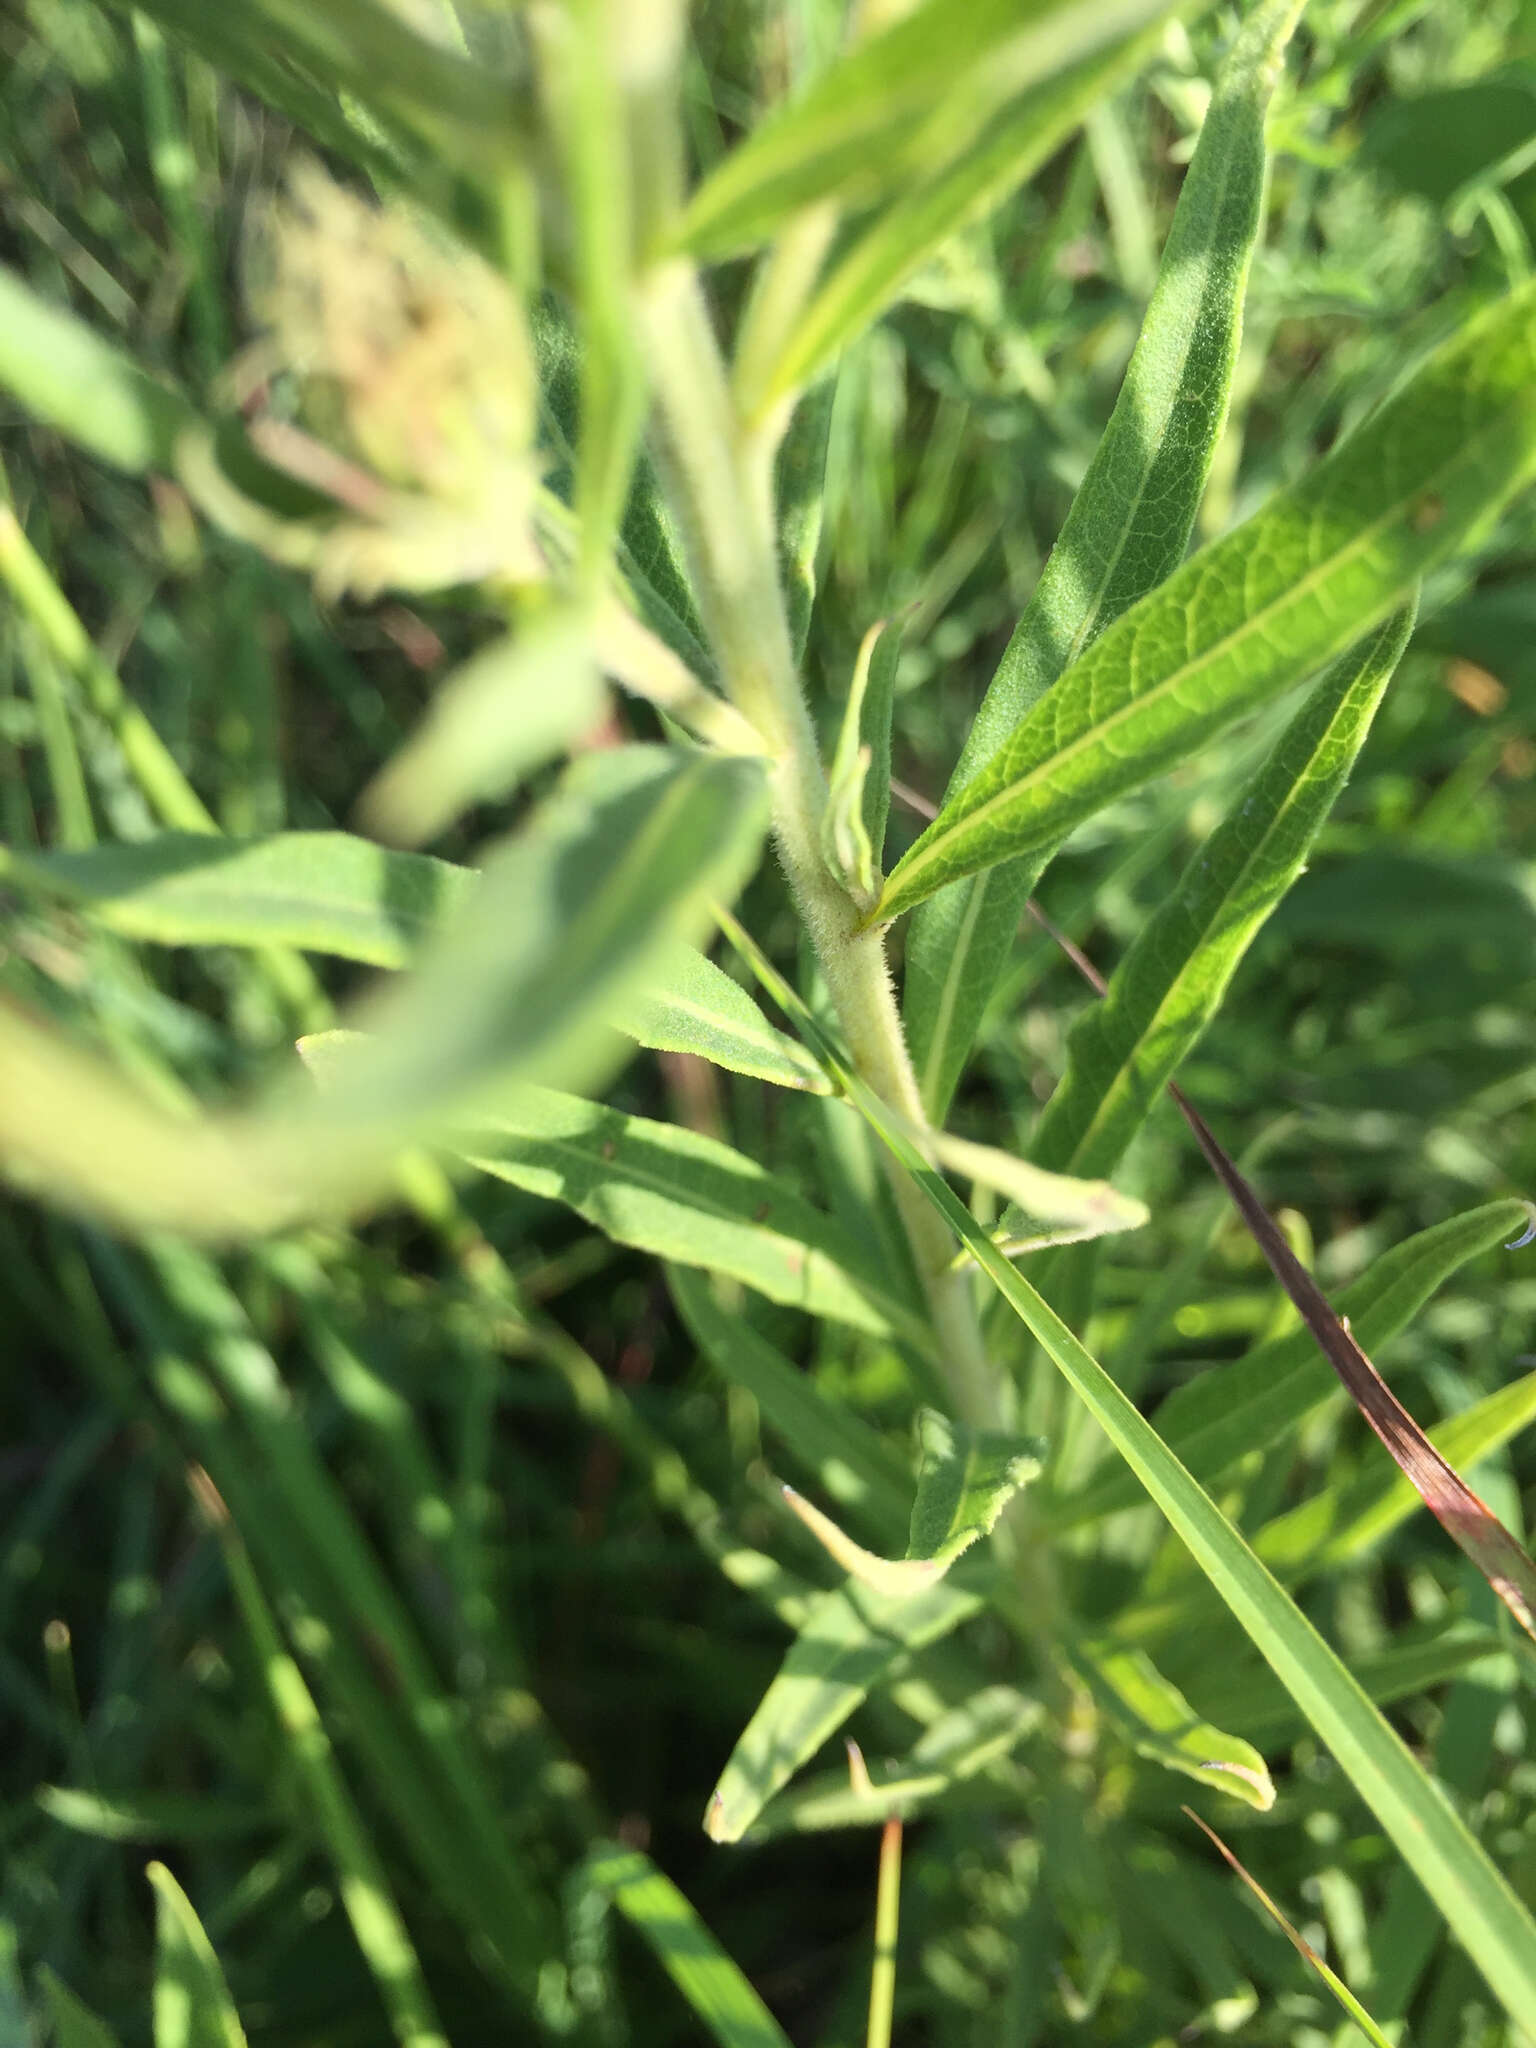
(720, 483)
(882, 1976)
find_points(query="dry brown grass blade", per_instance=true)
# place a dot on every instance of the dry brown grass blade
(1468, 1521)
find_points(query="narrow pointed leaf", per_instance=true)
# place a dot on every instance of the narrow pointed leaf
(1162, 1725)
(1260, 609)
(193, 2008)
(900, 102)
(1171, 983)
(1227, 1411)
(691, 1005)
(1127, 530)
(717, 1993)
(853, 1640)
(964, 1481)
(683, 1196)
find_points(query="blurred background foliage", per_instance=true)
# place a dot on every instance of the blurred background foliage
(570, 1637)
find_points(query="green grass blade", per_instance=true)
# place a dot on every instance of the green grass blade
(376, 1924)
(193, 2008)
(1493, 1926)
(74, 2024)
(870, 273)
(1217, 1418)
(853, 1640)
(1477, 1901)
(1171, 983)
(1260, 609)
(1127, 530)
(851, 1461)
(683, 1196)
(900, 102)
(718, 1995)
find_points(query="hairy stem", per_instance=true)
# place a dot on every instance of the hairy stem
(720, 484)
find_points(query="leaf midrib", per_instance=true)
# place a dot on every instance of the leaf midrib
(1251, 625)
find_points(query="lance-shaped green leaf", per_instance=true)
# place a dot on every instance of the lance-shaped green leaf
(1478, 1902)
(691, 1005)
(193, 2008)
(1083, 1208)
(1214, 1420)
(1169, 986)
(322, 892)
(718, 1994)
(329, 892)
(850, 1460)
(899, 103)
(1320, 565)
(622, 861)
(1161, 1724)
(685, 1197)
(853, 1640)
(965, 1479)
(957, 1749)
(866, 276)
(1127, 530)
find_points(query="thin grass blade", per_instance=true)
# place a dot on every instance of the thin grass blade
(717, 1993)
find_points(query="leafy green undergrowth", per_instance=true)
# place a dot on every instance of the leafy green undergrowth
(404, 1630)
